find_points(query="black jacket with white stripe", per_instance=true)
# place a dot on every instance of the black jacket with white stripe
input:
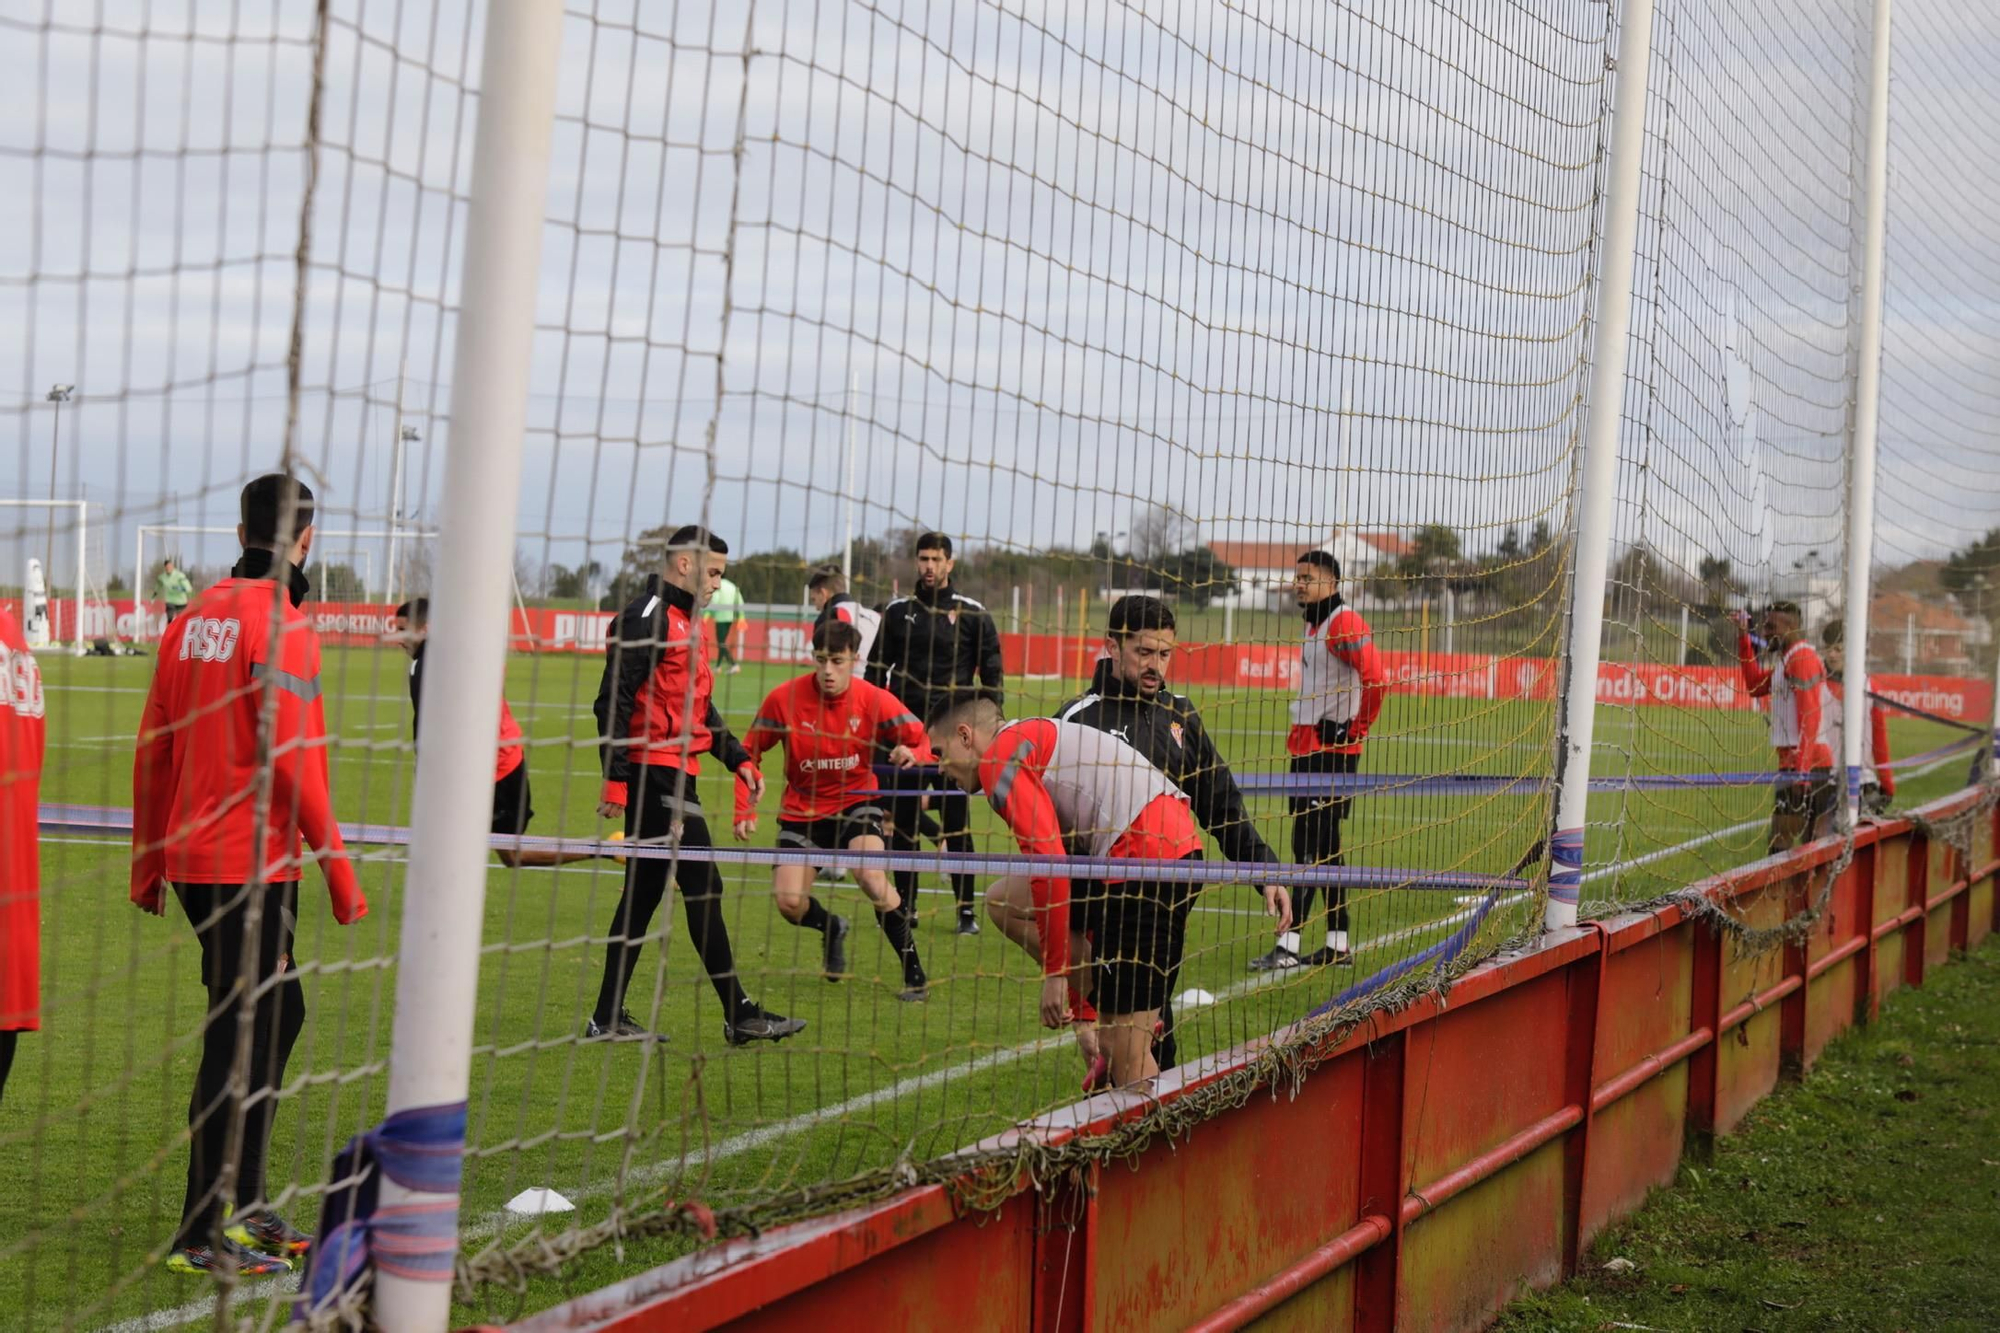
(935, 648)
(1167, 729)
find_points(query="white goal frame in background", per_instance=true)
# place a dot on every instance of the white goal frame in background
(82, 590)
(348, 536)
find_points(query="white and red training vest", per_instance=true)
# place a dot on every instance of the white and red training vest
(1097, 783)
(1329, 688)
(1785, 702)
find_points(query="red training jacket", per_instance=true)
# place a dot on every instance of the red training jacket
(194, 780)
(23, 736)
(829, 744)
(656, 701)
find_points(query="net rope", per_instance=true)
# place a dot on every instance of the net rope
(1125, 301)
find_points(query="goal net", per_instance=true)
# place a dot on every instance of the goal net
(1203, 386)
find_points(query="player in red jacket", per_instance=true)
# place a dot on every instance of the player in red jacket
(1341, 687)
(218, 803)
(1796, 687)
(23, 735)
(656, 721)
(831, 725)
(1060, 785)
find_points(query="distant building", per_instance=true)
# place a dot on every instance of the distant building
(1909, 634)
(1264, 570)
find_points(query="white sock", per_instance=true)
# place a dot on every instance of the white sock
(1289, 940)
(1336, 940)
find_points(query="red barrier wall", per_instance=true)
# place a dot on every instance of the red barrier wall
(1457, 675)
(1415, 1181)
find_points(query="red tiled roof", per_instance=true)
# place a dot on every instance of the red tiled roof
(1283, 555)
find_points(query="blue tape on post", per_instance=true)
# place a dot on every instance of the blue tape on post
(422, 1149)
(1566, 872)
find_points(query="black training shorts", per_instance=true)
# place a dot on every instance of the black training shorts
(1140, 928)
(512, 808)
(832, 833)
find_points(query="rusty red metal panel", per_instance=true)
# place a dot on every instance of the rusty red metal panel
(1249, 1193)
(1378, 1272)
(1462, 1097)
(1704, 1011)
(1979, 905)
(1646, 1010)
(1464, 1262)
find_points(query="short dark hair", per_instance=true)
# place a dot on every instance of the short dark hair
(827, 578)
(694, 537)
(934, 541)
(1834, 632)
(1786, 608)
(417, 611)
(1137, 612)
(1319, 559)
(266, 505)
(978, 709)
(836, 636)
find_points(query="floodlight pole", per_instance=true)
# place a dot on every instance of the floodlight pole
(1598, 463)
(437, 973)
(1867, 413)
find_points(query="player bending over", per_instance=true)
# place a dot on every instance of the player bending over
(830, 725)
(1878, 780)
(1796, 687)
(1054, 782)
(410, 629)
(1129, 698)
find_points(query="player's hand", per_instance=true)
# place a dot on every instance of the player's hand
(754, 780)
(610, 810)
(744, 828)
(1741, 619)
(152, 900)
(1055, 1002)
(903, 757)
(1278, 905)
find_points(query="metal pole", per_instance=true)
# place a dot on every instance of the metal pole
(847, 548)
(1229, 622)
(82, 551)
(138, 577)
(1910, 644)
(1599, 461)
(404, 434)
(1867, 410)
(1684, 636)
(430, 1053)
(1014, 615)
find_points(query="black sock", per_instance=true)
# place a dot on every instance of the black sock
(816, 917)
(897, 927)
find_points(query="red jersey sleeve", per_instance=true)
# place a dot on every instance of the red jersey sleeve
(1350, 640)
(767, 731)
(299, 781)
(1808, 677)
(1755, 678)
(152, 790)
(896, 725)
(1878, 722)
(1011, 776)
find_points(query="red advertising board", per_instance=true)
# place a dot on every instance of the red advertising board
(1229, 666)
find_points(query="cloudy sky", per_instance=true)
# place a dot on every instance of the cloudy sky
(1043, 265)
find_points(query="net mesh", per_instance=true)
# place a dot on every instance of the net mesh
(1125, 302)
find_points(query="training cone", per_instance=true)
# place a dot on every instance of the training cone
(535, 1202)
(1193, 999)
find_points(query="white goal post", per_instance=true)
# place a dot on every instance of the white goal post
(78, 639)
(350, 541)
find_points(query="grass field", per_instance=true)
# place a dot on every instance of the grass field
(93, 1126)
(1866, 1198)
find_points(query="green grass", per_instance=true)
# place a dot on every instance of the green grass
(1867, 1197)
(91, 1138)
